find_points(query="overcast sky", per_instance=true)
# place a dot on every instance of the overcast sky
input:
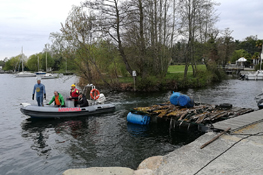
(28, 23)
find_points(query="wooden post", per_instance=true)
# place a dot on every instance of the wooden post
(134, 76)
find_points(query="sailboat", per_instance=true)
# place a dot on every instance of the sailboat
(258, 75)
(39, 72)
(46, 75)
(24, 73)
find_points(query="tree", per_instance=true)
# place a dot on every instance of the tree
(226, 46)
(196, 18)
(13, 63)
(111, 21)
(2, 63)
(238, 54)
(33, 62)
(77, 31)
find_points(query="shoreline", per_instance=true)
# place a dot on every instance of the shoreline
(239, 152)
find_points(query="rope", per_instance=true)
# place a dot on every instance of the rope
(247, 136)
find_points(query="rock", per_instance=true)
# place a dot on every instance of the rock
(151, 163)
(100, 171)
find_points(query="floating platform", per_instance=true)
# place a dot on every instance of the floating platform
(199, 114)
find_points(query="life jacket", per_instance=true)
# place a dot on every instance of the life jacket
(74, 93)
(57, 102)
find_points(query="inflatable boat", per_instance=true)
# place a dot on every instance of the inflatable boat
(48, 111)
(96, 106)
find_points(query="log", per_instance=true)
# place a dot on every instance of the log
(213, 139)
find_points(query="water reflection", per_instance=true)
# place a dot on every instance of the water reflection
(137, 130)
(46, 133)
(99, 141)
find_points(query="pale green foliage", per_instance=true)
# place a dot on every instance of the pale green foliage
(238, 54)
(12, 63)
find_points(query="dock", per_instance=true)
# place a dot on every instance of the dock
(240, 121)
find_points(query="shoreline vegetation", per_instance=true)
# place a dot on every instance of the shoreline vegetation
(106, 46)
(174, 80)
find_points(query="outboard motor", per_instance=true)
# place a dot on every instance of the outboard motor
(101, 99)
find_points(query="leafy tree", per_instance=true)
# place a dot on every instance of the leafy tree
(238, 54)
(13, 63)
(46, 60)
(2, 63)
(195, 18)
(33, 62)
(250, 44)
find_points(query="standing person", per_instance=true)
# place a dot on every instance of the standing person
(74, 93)
(58, 98)
(40, 90)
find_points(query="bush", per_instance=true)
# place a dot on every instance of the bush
(149, 83)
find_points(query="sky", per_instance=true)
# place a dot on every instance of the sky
(28, 23)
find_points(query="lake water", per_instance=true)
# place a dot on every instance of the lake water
(52, 146)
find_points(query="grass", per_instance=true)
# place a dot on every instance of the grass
(180, 68)
(174, 72)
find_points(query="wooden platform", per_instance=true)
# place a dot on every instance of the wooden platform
(240, 121)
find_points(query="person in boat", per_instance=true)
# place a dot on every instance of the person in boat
(74, 93)
(82, 100)
(58, 99)
(39, 88)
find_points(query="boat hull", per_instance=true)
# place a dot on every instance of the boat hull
(64, 112)
(49, 76)
(25, 74)
(258, 75)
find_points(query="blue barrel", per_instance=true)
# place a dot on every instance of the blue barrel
(185, 101)
(138, 119)
(174, 98)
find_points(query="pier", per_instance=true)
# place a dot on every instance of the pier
(233, 69)
(240, 121)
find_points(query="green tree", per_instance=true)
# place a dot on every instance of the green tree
(238, 54)
(13, 64)
(33, 62)
(251, 44)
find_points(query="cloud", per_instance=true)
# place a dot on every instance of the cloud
(28, 23)
(242, 16)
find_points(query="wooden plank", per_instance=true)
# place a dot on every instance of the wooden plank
(213, 139)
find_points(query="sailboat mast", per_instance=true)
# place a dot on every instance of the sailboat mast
(46, 56)
(38, 63)
(261, 57)
(22, 60)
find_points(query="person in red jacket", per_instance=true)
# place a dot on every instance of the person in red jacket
(74, 93)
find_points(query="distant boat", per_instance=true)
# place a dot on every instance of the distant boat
(258, 75)
(25, 74)
(40, 73)
(49, 76)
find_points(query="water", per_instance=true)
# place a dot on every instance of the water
(52, 146)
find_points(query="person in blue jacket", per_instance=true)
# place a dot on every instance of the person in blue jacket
(40, 90)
